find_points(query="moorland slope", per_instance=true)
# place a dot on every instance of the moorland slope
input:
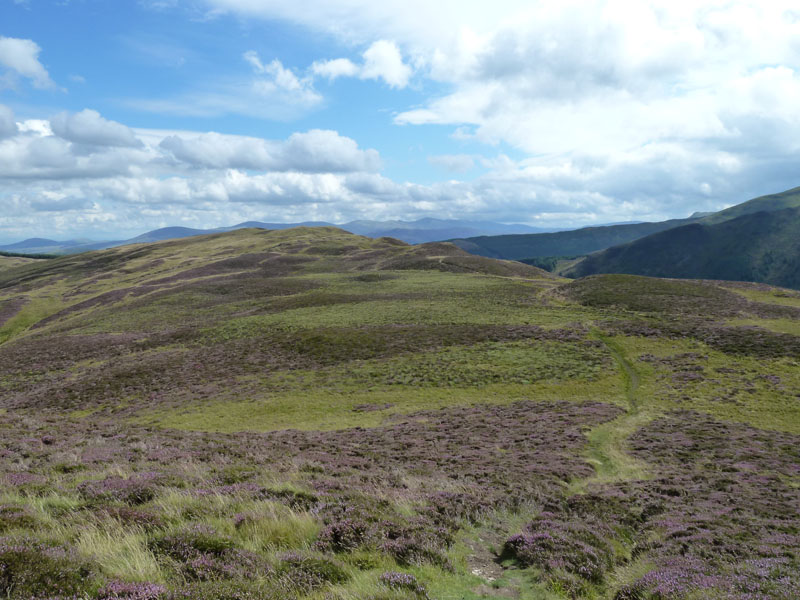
(312, 414)
(762, 247)
(594, 239)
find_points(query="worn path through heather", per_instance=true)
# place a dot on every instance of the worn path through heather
(607, 451)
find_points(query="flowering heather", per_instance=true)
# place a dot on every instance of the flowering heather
(134, 490)
(205, 555)
(404, 582)
(118, 590)
(306, 572)
(29, 569)
(577, 546)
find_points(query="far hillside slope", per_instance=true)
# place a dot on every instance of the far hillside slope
(769, 203)
(761, 247)
(593, 239)
(562, 243)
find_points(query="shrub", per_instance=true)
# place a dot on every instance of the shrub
(14, 517)
(134, 490)
(307, 573)
(343, 536)
(228, 590)
(117, 590)
(404, 582)
(570, 545)
(33, 569)
(202, 555)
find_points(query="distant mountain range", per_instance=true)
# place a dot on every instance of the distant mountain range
(758, 240)
(413, 232)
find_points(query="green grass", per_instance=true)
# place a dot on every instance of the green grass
(334, 398)
(121, 552)
(770, 296)
(732, 388)
(36, 309)
(607, 451)
(791, 326)
(476, 310)
(327, 410)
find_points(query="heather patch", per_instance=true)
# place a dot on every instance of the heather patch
(29, 569)
(651, 295)
(363, 500)
(751, 341)
(726, 524)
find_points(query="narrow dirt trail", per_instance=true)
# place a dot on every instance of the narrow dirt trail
(607, 450)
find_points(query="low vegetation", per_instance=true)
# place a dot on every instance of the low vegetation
(312, 414)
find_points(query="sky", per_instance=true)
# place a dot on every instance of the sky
(121, 117)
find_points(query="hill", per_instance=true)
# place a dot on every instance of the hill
(414, 232)
(769, 203)
(593, 239)
(308, 413)
(561, 243)
(761, 247)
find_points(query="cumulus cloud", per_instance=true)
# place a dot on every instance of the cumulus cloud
(314, 151)
(88, 127)
(333, 69)
(582, 82)
(21, 57)
(382, 60)
(612, 110)
(82, 170)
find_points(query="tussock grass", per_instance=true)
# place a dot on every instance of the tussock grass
(268, 526)
(120, 552)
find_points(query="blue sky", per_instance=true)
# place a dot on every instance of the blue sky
(119, 117)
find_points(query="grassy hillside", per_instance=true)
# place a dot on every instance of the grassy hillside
(9, 260)
(762, 247)
(769, 203)
(313, 414)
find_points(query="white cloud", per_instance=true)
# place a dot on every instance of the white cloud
(382, 60)
(576, 80)
(624, 111)
(281, 82)
(21, 57)
(88, 127)
(313, 151)
(333, 69)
